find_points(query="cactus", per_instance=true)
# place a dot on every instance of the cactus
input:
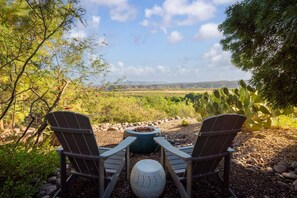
(242, 100)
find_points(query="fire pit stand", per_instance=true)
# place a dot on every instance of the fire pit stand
(144, 143)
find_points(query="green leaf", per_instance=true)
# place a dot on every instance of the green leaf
(242, 84)
(251, 89)
(236, 91)
(246, 102)
(216, 93)
(216, 105)
(255, 109)
(288, 111)
(264, 110)
(256, 127)
(226, 91)
(239, 105)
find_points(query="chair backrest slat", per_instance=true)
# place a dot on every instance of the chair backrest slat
(74, 132)
(216, 135)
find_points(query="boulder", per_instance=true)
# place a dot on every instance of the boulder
(280, 168)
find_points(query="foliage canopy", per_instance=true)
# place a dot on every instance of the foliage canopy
(261, 35)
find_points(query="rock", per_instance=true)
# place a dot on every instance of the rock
(282, 163)
(269, 169)
(58, 181)
(17, 130)
(251, 169)
(239, 163)
(177, 117)
(41, 193)
(31, 130)
(49, 188)
(290, 175)
(294, 183)
(112, 129)
(45, 196)
(280, 168)
(279, 175)
(22, 128)
(294, 164)
(283, 184)
(52, 179)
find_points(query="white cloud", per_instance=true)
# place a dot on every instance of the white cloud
(152, 73)
(120, 10)
(156, 10)
(217, 58)
(145, 23)
(208, 31)
(180, 12)
(77, 34)
(224, 1)
(163, 69)
(120, 64)
(175, 36)
(95, 21)
(123, 13)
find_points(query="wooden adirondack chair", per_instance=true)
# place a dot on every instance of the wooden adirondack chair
(187, 163)
(77, 139)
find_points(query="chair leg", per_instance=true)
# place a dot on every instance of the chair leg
(162, 158)
(227, 170)
(127, 159)
(101, 177)
(63, 174)
(227, 163)
(189, 178)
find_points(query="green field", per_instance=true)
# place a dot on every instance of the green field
(158, 92)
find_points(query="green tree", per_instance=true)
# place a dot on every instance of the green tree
(261, 35)
(26, 28)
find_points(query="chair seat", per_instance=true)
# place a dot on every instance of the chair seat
(113, 163)
(179, 166)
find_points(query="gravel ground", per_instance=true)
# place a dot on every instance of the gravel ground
(251, 175)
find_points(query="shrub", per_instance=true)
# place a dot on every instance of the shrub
(23, 171)
(184, 123)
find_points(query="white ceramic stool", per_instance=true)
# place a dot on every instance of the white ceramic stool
(147, 179)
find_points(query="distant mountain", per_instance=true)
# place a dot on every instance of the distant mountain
(180, 85)
(142, 83)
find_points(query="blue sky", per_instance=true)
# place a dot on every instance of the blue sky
(154, 40)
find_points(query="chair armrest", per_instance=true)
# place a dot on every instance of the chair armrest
(168, 147)
(120, 147)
